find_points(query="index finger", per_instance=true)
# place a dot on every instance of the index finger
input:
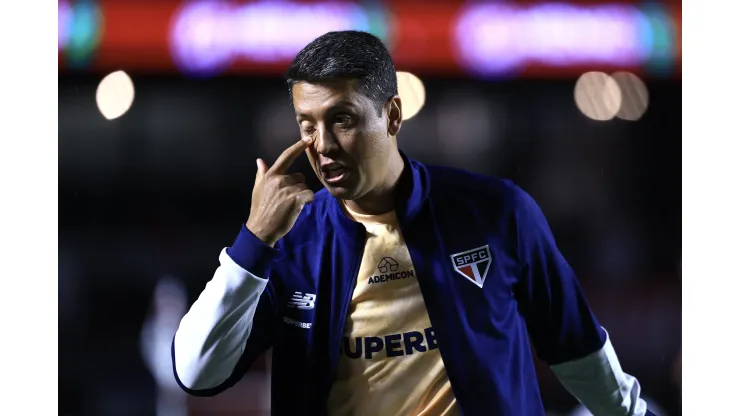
(289, 156)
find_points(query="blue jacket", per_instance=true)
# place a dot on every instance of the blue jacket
(530, 293)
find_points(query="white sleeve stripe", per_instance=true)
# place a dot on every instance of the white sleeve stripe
(598, 381)
(213, 334)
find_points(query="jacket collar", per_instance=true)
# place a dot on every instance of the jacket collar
(410, 194)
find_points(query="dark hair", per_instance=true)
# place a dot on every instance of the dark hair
(347, 54)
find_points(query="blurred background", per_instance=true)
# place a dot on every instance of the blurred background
(578, 102)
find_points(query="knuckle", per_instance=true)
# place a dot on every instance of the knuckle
(275, 181)
(283, 193)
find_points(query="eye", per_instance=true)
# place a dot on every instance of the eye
(343, 119)
(307, 129)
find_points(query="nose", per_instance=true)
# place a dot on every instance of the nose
(326, 142)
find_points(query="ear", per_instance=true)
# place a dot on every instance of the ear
(395, 115)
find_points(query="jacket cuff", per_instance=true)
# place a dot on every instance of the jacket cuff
(251, 253)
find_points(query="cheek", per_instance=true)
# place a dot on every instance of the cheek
(368, 142)
(312, 158)
(360, 147)
(376, 145)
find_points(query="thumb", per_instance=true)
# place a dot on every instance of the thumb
(261, 167)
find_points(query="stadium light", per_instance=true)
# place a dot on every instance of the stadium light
(634, 96)
(115, 95)
(412, 93)
(598, 96)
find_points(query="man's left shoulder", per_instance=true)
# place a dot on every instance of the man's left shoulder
(463, 184)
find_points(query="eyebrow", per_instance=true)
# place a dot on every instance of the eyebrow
(338, 104)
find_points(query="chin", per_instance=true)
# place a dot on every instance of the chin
(341, 192)
(345, 191)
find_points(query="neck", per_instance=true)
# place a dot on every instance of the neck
(380, 200)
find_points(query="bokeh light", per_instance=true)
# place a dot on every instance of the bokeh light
(115, 95)
(64, 13)
(598, 96)
(634, 96)
(412, 93)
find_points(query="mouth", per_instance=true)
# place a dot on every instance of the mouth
(333, 173)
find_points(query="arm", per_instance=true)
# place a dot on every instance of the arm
(561, 325)
(232, 322)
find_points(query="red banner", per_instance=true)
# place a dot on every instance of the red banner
(529, 38)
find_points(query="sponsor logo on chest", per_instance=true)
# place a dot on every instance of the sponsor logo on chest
(388, 269)
(394, 345)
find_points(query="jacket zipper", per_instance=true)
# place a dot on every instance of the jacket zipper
(345, 308)
(420, 282)
(347, 299)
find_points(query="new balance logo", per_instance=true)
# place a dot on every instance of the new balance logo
(302, 301)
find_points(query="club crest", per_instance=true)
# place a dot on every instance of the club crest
(473, 264)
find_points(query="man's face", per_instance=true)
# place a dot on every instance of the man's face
(352, 142)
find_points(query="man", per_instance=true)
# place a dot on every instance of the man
(400, 288)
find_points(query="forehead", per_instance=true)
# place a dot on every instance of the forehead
(310, 98)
